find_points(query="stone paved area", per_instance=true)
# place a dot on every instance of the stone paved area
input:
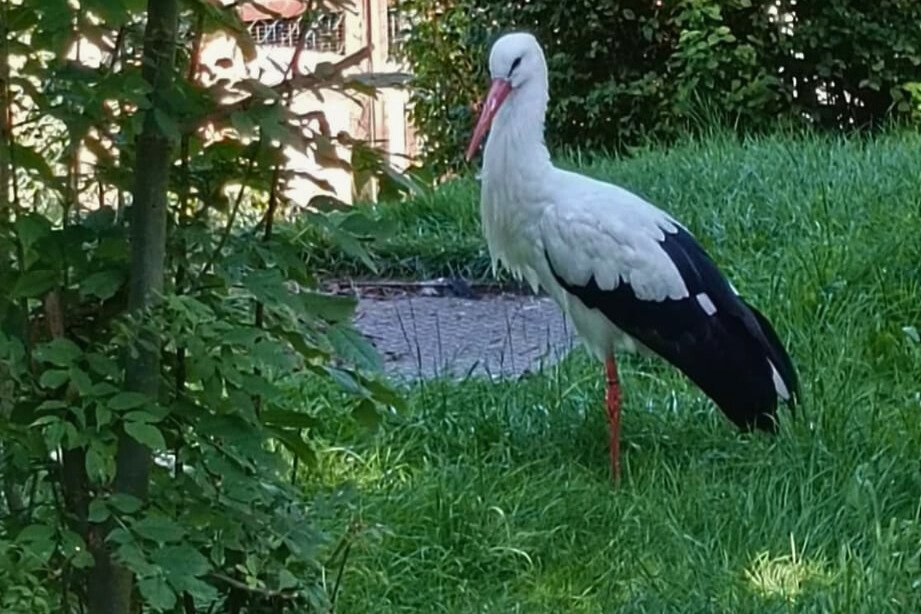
(496, 335)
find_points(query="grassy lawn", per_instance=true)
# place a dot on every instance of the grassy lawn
(495, 497)
(435, 235)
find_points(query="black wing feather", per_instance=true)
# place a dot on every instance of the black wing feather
(726, 354)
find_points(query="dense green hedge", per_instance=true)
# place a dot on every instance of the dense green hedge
(627, 71)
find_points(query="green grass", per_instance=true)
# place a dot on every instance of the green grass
(436, 234)
(495, 496)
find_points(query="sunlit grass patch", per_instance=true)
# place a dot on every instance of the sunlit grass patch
(783, 576)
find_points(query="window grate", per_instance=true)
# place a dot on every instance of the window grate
(397, 25)
(326, 33)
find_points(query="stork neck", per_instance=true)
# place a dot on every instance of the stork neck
(517, 136)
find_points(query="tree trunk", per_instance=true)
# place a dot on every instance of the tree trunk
(110, 584)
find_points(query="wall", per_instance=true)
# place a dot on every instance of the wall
(381, 120)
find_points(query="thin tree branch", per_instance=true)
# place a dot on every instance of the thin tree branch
(117, 48)
(185, 191)
(269, 218)
(228, 228)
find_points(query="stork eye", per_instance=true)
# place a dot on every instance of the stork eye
(514, 65)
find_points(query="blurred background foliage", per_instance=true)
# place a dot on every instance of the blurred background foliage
(627, 73)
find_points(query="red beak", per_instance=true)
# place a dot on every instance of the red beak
(498, 92)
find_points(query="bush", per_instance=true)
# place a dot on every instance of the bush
(864, 56)
(625, 72)
(168, 361)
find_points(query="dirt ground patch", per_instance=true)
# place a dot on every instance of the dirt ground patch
(495, 335)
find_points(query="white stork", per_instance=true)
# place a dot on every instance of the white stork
(628, 275)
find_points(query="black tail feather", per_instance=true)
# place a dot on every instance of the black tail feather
(779, 356)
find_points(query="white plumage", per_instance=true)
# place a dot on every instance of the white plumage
(585, 228)
(626, 273)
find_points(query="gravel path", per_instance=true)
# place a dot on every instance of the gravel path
(497, 335)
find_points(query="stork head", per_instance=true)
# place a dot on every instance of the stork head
(515, 62)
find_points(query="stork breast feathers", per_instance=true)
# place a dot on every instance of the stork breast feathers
(613, 243)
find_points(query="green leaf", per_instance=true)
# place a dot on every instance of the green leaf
(53, 378)
(146, 434)
(60, 352)
(100, 464)
(103, 284)
(103, 416)
(157, 593)
(359, 223)
(32, 228)
(74, 549)
(367, 414)
(32, 284)
(182, 560)
(36, 533)
(52, 404)
(202, 592)
(300, 344)
(330, 307)
(104, 389)
(82, 559)
(121, 536)
(345, 240)
(128, 400)
(243, 123)
(293, 441)
(100, 219)
(142, 416)
(351, 346)
(270, 353)
(99, 512)
(113, 250)
(103, 365)
(56, 432)
(286, 579)
(158, 528)
(384, 394)
(45, 420)
(28, 158)
(268, 287)
(82, 381)
(345, 380)
(126, 504)
(258, 89)
(38, 539)
(130, 554)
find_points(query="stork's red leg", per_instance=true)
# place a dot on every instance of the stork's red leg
(612, 400)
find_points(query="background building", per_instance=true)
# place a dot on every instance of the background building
(335, 31)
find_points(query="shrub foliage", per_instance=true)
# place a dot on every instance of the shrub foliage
(624, 72)
(159, 332)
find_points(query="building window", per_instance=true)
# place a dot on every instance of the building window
(397, 25)
(325, 33)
